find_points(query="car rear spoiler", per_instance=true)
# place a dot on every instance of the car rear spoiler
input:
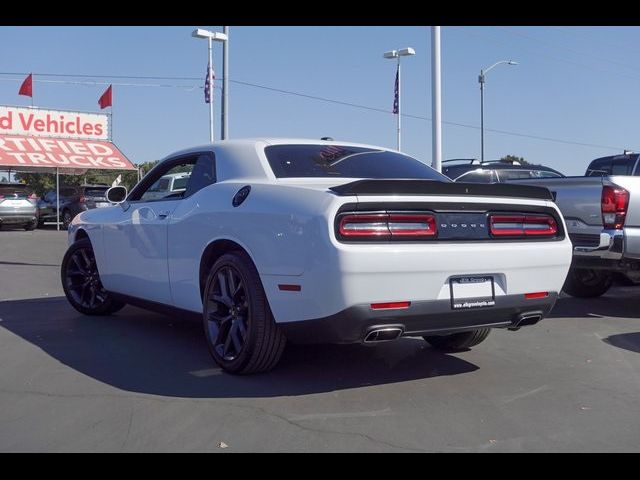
(434, 187)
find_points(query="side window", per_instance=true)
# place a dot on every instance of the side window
(203, 174)
(546, 174)
(478, 176)
(165, 183)
(599, 168)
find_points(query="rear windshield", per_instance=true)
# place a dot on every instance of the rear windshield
(180, 183)
(341, 161)
(15, 190)
(95, 192)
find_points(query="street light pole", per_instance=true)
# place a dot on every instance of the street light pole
(210, 36)
(225, 86)
(482, 81)
(436, 101)
(398, 111)
(210, 75)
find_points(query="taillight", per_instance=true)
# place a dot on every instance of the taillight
(523, 226)
(365, 225)
(615, 202)
(1, 197)
(387, 225)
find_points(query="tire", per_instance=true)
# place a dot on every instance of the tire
(31, 225)
(587, 283)
(81, 282)
(458, 341)
(241, 333)
(66, 219)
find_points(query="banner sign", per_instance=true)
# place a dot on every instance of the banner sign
(53, 123)
(20, 151)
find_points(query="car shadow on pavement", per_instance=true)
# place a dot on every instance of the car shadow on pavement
(143, 352)
(619, 302)
(627, 341)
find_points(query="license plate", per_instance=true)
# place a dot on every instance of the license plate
(102, 204)
(15, 203)
(472, 292)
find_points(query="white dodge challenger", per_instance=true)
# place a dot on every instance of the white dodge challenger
(270, 240)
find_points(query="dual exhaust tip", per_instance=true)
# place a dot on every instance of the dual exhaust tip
(389, 333)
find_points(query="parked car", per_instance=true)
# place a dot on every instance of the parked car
(474, 171)
(320, 241)
(18, 206)
(73, 200)
(602, 212)
(173, 184)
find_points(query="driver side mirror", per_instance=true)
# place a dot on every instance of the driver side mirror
(117, 194)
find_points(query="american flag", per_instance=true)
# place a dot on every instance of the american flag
(395, 95)
(208, 84)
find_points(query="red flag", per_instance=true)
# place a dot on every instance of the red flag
(106, 100)
(27, 86)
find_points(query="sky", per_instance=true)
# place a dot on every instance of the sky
(575, 84)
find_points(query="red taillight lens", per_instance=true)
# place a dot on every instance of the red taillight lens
(374, 225)
(615, 202)
(523, 225)
(387, 225)
(410, 225)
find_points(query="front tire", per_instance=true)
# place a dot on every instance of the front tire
(81, 281)
(458, 341)
(587, 283)
(66, 219)
(239, 327)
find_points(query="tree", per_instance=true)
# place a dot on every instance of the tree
(41, 183)
(514, 158)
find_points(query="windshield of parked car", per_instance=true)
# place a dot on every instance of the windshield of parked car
(19, 190)
(520, 174)
(344, 161)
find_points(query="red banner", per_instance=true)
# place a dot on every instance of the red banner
(21, 151)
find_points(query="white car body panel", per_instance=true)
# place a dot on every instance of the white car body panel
(287, 228)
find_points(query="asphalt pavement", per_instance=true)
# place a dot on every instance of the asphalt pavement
(139, 381)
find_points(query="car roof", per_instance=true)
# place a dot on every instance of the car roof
(267, 141)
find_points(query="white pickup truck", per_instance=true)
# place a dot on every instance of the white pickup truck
(602, 212)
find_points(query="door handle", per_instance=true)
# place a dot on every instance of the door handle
(163, 215)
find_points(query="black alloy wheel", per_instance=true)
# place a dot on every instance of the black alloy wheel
(227, 313)
(239, 327)
(81, 281)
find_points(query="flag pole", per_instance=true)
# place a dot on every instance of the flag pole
(32, 90)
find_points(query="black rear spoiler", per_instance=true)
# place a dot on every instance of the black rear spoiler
(434, 187)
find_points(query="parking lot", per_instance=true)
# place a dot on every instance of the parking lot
(140, 381)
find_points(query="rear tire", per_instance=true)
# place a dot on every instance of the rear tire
(587, 283)
(458, 341)
(239, 327)
(31, 225)
(81, 281)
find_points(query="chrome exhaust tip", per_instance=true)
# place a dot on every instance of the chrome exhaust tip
(530, 318)
(383, 334)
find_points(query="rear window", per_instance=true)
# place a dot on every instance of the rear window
(15, 190)
(180, 183)
(341, 161)
(95, 192)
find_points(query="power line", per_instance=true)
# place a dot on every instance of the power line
(287, 92)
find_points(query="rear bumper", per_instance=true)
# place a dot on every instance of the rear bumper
(422, 318)
(17, 218)
(607, 246)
